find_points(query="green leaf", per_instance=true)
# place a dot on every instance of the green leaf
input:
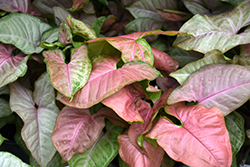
(2, 139)
(55, 162)
(216, 32)
(23, 30)
(6, 120)
(50, 35)
(235, 126)
(96, 26)
(213, 57)
(5, 90)
(9, 160)
(102, 152)
(4, 108)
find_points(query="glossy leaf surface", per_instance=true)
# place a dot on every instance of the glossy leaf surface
(76, 131)
(10, 160)
(26, 36)
(200, 146)
(132, 46)
(38, 112)
(213, 57)
(68, 78)
(11, 67)
(123, 102)
(105, 80)
(102, 152)
(216, 32)
(134, 158)
(225, 86)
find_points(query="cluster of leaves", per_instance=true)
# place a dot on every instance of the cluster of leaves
(82, 95)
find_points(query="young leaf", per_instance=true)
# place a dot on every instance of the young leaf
(11, 66)
(105, 80)
(216, 32)
(148, 8)
(2, 139)
(68, 78)
(65, 35)
(10, 160)
(212, 57)
(38, 112)
(224, 86)
(235, 126)
(200, 146)
(78, 4)
(102, 152)
(132, 46)
(134, 158)
(128, 95)
(26, 36)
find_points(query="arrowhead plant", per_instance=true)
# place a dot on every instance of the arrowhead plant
(148, 84)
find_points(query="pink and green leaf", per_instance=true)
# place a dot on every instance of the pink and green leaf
(78, 4)
(123, 102)
(76, 131)
(105, 79)
(38, 112)
(200, 146)
(65, 35)
(131, 156)
(11, 67)
(68, 78)
(224, 86)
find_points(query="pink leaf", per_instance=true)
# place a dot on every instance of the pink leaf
(105, 80)
(123, 102)
(11, 67)
(201, 140)
(133, 46)
(222, 85)
(76, 131)
(78, 4)
(172, 15)
(164, 62)
(134, 158)
(68, 78)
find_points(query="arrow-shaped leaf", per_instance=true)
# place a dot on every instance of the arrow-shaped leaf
(68, 78)
(224, 86)
(105, 80)
(38, 112)
(11, 67)
(200, 146)
(216, 32)
(9, 160)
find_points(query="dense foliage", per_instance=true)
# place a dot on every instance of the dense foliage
(146, 82)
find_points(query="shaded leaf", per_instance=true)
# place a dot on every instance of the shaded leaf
(11, 67)
(64, 34)
(212, 57)
(102, 152)
(26, 36)
(50, 35)
(2, 139)
(148, 8)
(60, 14)
(5, 89)
(38, 112)
(10, 160)
(76, 131)
(216, 32)
(68, 78)
(241, 60)
(105, 80)
(56, 161)
(45, 6)
(97, 25)
(166, 82)
(128, 96)
(200, 146)
(132, 46)
(172, 15)
(7, 120)
(4, 108)
(245, 50)
(235, 126)
(108, 23)
(207, 7)
(78, 4)
(224, 86)
(131, 156)
(80, 28)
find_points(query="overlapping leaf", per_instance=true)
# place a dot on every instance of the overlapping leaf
(38, 112)
(2, 139)
(76, 131)
(105, 80)
(134, 158)
(216, 32)
(78, 4)
(132, 46)
(22, 30)
(68, 78)
(11, 67)
(102, 152)
(10, 160)
(200, 146)
(213, 57)
(224, 86)
(4, 108)
(123, 102)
